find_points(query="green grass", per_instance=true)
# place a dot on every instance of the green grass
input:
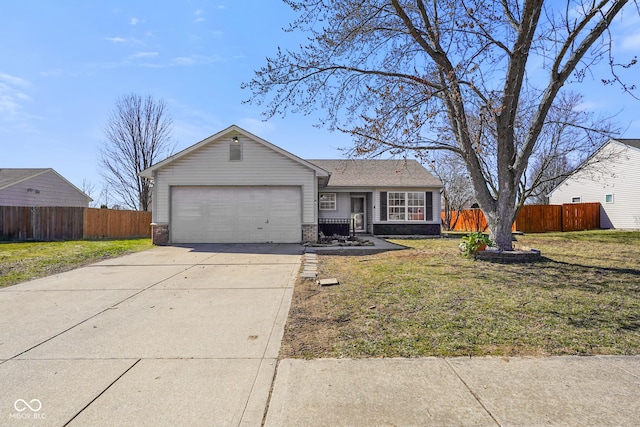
(29, 260)
(582, 299)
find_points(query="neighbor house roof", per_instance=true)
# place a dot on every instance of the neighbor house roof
(9, 177)
(377, 173)
(630, 142)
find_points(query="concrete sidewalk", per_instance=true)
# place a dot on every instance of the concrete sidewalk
(556, 391)
(170, 336)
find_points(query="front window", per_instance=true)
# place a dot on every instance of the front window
(415, 206)
(576, 199)
(408, 206)
(327, 201)
(397, 206)
(608, 198)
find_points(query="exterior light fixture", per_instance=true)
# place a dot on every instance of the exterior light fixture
(235, 139)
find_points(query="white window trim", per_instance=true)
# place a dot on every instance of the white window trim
(406, 207)
(334, 201)
(612, 198)
(573, 199)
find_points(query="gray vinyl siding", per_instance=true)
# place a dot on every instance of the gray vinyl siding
(210, 166)
(343, 206)
(47, 189)
(619, 176)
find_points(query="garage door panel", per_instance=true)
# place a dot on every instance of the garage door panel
(236, 214)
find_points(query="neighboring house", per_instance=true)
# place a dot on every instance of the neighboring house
(39, 187)
(613, 179)
(235, 187)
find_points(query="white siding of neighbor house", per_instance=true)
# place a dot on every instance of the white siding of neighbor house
(436, 204)
(619, 176)
(46, 189)
(210, 166)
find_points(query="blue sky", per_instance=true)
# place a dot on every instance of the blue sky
(64, 63)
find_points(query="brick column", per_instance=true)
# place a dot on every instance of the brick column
(159, 234)
(310, 233)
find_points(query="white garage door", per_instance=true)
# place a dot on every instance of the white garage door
(236, 215)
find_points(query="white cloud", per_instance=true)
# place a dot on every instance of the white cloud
(144, 55)
(587, 106)
(12, 80)
(13, 99)
(134, 21)
(115, 39)
(182, 60)
(257, 127)
(199, 15)
(195, 60)
(631, 42)
(52, 73)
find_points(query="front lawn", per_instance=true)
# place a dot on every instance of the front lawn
(29, 260)
(583, 299)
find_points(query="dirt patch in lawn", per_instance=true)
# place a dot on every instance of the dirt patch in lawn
(310, 327)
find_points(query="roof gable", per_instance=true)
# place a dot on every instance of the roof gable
(230, 132)
(625, 143)
(12, 176)
(377, 173)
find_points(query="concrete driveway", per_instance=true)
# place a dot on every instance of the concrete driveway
(170, 336)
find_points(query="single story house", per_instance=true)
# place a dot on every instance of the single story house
(234, 187)
(610, 176)
(39, 187)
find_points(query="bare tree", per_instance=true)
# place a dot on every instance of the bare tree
(457, 192)
(457, 75)
(568, 138)
(89, 188)
(138, 134)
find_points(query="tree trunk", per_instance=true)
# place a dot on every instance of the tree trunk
(500, 221)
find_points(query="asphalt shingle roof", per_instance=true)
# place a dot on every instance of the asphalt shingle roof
(11, 176)
(630, 142)
(377, 173)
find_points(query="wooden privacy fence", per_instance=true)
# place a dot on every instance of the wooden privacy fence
(537, 218)
(115, 224)
(66, 223)
(468, 220)
(582, 216)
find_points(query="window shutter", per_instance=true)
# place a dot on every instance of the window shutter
(428, 200)
(383, 206)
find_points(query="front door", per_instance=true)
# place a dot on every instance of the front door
(358, 221)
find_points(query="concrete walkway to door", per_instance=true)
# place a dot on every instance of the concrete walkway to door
(170, 336)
